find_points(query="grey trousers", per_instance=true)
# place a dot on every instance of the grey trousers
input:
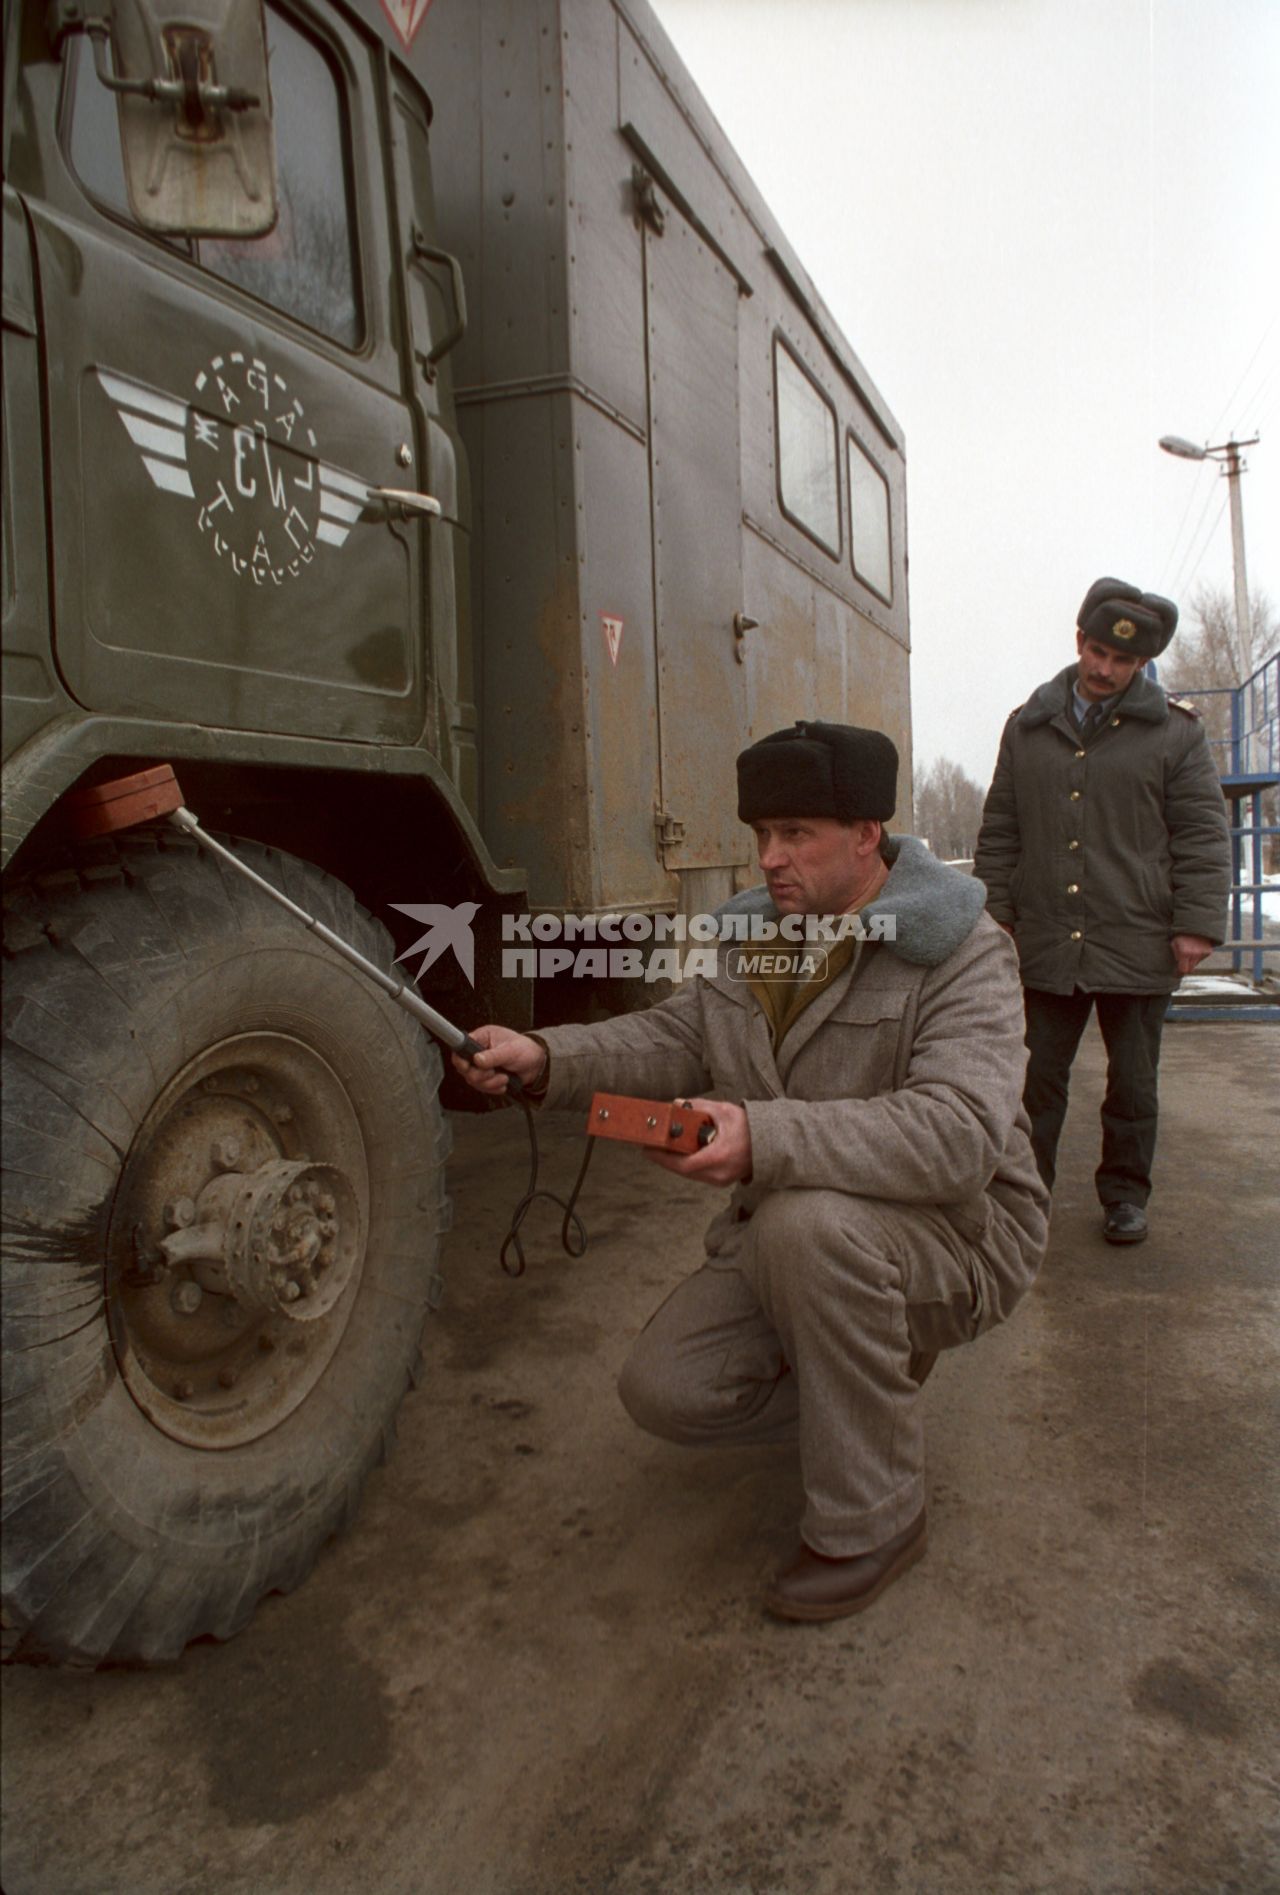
(801, 1327)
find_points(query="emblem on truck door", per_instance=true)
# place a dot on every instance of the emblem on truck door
(244, 452)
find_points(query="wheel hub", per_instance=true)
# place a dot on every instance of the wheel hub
(279, 1240)
(237, 1240)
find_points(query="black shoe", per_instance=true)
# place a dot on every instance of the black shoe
(1124, 1223)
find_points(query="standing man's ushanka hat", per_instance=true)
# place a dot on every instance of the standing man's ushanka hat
(1137, 623)
(817, 769)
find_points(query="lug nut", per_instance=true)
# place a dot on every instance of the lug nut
(226, 1153)
(291, 1292)
(228, 1377)
(282, 1114)
(327, 1203)
(179, 1213)
(184, 1390)
(186, 1297)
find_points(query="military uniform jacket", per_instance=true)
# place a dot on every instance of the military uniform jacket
(901, 1080)
(1098, 850)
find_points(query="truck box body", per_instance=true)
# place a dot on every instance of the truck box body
(616, 392)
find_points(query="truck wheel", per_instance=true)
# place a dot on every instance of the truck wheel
(224, 1199)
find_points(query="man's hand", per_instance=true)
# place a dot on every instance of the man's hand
(1188, 952)
(505, 1052)
(726, 1160)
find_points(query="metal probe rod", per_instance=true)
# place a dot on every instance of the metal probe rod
(413, 1003)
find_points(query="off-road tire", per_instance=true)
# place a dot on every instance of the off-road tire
(142, 962)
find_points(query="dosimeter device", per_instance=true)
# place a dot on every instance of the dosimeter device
(675, 1128)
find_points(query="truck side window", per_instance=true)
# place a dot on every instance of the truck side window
(808, 475)
(306, 266)
(869, 507)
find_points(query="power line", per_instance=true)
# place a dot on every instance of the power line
(1194, 488)
(1208, 541)
(1217, 426)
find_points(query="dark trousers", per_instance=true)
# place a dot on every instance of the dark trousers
(1130, 1025)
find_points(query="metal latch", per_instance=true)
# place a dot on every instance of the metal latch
(648, 204)
(670, 828)
(742, 624)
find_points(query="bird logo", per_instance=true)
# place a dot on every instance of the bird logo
(446, 928)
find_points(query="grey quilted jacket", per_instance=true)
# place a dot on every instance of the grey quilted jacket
(901, 1080)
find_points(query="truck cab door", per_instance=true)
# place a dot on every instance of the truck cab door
(223, 416)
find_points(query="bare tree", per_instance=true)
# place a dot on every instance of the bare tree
(1204, 661)
(948, 810)
(1205, 656)
(1205, 665)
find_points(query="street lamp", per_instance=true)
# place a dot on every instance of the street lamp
(1229, 453)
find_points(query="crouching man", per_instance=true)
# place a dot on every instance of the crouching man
(885, 1204)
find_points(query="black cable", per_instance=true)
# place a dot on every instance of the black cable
(571, 1217)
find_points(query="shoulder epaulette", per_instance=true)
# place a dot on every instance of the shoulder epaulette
(1185, 705)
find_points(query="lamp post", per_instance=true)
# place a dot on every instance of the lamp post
(1227, 452)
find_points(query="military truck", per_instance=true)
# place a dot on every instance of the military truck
(421, 437)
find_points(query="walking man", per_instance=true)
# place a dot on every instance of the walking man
(1105, 852)
(885, 1203)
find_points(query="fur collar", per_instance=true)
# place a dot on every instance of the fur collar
(1142, 699)
(933, 907)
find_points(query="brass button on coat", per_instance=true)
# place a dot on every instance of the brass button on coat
(1079, 753)
(1073, 844)
(1076, 935)
(1075, 796)
(1073, 888)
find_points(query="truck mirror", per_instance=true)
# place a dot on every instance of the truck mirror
(194, 100)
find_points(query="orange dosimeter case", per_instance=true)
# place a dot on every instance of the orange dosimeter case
(649, 1122)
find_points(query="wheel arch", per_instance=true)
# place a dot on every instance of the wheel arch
(389, 824)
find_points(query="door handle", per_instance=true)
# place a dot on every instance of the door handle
(424, 253)
(405, 497)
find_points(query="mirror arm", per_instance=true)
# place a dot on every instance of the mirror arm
(199, 97)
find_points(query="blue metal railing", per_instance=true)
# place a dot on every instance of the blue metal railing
(1248, 759)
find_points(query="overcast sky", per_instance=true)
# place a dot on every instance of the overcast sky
(1050, 229)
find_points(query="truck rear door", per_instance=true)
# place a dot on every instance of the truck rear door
(691, 306)
(221, 412)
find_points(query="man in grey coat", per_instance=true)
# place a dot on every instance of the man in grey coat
(1105, 852)
(885, 1203)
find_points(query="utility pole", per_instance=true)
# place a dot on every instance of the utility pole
(1227, 452)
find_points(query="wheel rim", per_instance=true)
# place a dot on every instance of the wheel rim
(237, 1240)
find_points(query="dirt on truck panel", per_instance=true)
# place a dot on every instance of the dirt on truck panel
(541, 1663)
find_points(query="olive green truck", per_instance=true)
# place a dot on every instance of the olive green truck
(421, 437)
